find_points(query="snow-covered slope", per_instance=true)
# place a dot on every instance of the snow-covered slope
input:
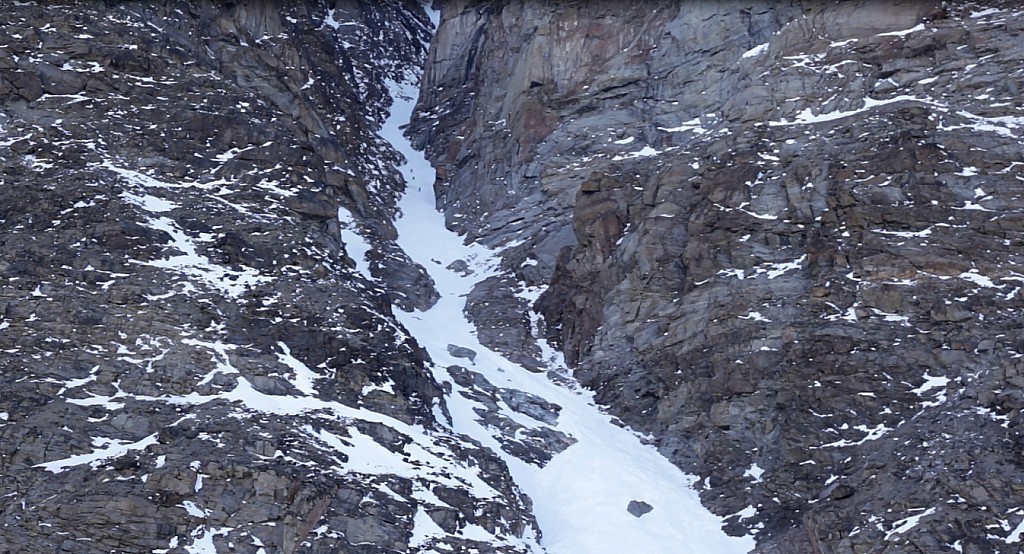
(580, 496)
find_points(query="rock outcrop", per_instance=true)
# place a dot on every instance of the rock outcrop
(782, 237)
(190, 359)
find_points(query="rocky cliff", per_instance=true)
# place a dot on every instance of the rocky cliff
(190, 359)
(784, 238)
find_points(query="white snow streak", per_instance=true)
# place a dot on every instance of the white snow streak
(906, 524)
(105, 449)
(355, 245)
(755, 51)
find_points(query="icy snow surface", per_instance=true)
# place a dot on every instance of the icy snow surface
(580, 496)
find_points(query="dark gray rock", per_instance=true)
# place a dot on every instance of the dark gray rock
(462, 352)
(638, 508)
(533, 444)
(460, 266)
(309, 203)
(501, 321)
(59, 81)
(531, 405)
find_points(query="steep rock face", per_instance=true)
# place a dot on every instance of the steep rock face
(783, 238)
(189, 357)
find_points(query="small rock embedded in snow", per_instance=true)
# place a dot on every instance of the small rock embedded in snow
(460, 267)
(638, 507)
(462, 352)
(531, 405)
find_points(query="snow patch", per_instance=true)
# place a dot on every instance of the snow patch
(903, 33)
(356, 246)
(908, 523)
(105, 449)
(755, 51)
(807, 116)
(302, 377)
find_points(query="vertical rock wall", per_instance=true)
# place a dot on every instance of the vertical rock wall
(783, 237)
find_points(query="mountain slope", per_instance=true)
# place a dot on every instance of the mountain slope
(191, 361)
(215, 338)
(779, 243)
(783, 238)
(580, 468)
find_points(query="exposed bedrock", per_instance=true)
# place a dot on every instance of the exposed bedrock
(785, 238)
(189, 358)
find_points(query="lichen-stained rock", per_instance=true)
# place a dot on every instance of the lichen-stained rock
(782, 237)
(189, 359)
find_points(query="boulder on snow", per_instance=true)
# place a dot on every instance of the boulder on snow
(531, 405)
(462, 352)
(460, 267)
(638, 507)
